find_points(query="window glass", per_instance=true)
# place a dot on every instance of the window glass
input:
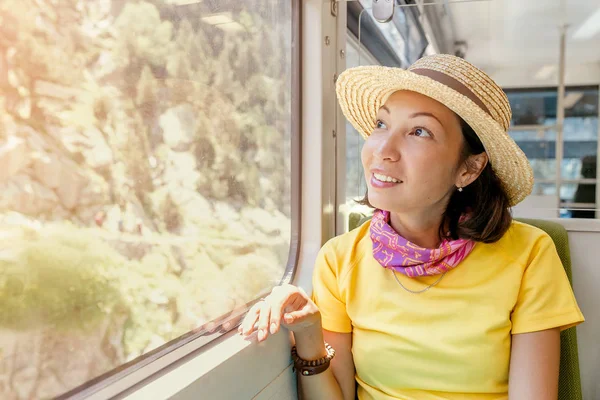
(145, 172)
(580, 143)
(406, 20)
(397, 43)
(356, 186)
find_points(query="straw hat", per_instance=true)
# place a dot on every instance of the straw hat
(458, 85)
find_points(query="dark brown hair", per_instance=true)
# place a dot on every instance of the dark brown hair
(484, 200)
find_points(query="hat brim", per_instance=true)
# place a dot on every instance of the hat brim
(363, 90)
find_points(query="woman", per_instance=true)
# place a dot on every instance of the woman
(441, 295)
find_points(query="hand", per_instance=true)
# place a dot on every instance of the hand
(287, 305)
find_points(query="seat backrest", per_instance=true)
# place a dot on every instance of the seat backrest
(569, 385)
(356, 219)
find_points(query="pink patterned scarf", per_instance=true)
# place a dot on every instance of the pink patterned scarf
(393, 251)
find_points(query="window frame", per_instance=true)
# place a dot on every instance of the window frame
(559, 181)
(133, 374)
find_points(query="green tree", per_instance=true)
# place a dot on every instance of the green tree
(171, 214)
(143, 35)
(147, 90)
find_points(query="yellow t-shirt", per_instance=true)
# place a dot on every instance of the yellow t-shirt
(452, 341)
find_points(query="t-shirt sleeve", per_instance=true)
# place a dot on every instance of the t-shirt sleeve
(326, 292)
(546, 299)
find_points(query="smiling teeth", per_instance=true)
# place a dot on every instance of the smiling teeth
(384, 178)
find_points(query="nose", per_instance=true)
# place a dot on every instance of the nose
(388, 148)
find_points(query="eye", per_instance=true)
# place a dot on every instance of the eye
(422, 132)
(380, 125)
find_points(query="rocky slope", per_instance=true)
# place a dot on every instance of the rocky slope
(145, 177)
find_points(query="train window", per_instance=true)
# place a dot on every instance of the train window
(146, 158)
(534, 130)
(354, 178)
(395, 44)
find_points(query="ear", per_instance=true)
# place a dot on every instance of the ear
(471, 169)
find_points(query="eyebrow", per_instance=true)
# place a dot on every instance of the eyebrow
(416, 114)
(426, 114)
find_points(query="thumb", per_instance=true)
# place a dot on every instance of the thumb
(295, 316)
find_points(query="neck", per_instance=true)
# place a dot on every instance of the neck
(422, 229)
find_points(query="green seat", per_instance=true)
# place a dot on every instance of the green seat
(356, 219)
(569, 383)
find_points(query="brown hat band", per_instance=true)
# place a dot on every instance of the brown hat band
(452, 83)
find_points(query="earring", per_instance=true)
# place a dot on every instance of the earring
(460, 189)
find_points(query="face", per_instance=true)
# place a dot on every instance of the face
(412, 160)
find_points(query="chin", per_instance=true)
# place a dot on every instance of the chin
(383, 203)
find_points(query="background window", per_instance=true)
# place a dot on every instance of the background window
(145, 172)
(534, 130)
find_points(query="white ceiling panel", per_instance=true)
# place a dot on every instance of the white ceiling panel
(511, 33)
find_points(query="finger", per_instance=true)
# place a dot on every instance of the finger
(252, 337)
(250, 320)
(234, 318)
(263, 321)
(241, 321)
(276, 313)
(295, 316)
(297, 303)
(285, 304)
(241, 326)
(253, 329)
(234, 321)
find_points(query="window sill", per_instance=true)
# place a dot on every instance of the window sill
(578, 224)
(213, 368)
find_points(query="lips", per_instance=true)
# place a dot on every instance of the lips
(385, 178)
(377, 181)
